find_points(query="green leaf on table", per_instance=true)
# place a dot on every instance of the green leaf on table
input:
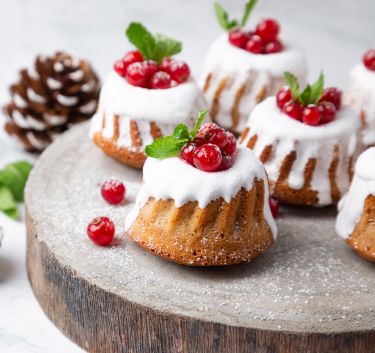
(8, 204)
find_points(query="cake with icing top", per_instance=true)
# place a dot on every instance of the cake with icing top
(308, 151)
(360, 95)
(356, 218)
(193, 213)
(242, 68)
(144, 98)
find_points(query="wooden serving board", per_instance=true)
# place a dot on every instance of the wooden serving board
(308, 294)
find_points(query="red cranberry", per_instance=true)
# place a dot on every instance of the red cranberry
(132, 57)
(136, 75)
(369, 59)
(166, 63)
(273, 47)
(254, 44)
(113, 191)
(151, 67)
(268, 29)
(187, 153)
(283, 96)
(333, 95)
(101, 231)
(238, 37)
(218, 137)
(293, 110)
(231, 145)
(120, 68)
(179, 71)
(206, 128)
(207, 157)
(160, 80)
(311, 115)
(226, 163)
(199, 141)
(327, 111)
(274, 206)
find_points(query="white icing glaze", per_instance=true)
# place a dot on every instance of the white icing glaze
(363, 185)
(361, 97)
(172, 178)
(53, 83)
(254, 71)
(286, 135)
(66, 100)
(168, 106)
(35, 97)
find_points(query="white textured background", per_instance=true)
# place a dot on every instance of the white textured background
(334, 33)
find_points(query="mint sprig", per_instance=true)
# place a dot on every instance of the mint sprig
(12, 184)
(152, 46)
(170, 146)
(311, 93)
(223, 17)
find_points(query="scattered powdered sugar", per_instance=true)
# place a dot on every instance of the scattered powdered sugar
(308, 281)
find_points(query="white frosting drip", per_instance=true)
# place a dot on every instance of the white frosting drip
(255, 71)
(363, 185)
(19, 101)
(34, 97)
(76, 75)
(170, 106)
(361, 96)
(88, 108)
(286, 135)
(172, 178)
(53, 83)
(66, 100)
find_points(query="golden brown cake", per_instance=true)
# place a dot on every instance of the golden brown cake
(199, 218)
(356, 218)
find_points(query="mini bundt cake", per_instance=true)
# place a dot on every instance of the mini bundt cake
(356, 218)
(307, 149)
(207, 207)
(143, 100)
(360, 96)
(242, 68)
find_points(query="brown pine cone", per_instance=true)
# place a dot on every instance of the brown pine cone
(57, 92)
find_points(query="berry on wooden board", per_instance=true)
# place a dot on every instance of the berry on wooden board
(113, 191)
(101, 231)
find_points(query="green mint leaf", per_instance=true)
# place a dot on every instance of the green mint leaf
(305, 95)
(142, 39)
(201, 115)
(7, 203)
(293, 84)
(222, 17)
(181, 132)
(248, 9)
(317, 90)
(165, 47)
(165, 147)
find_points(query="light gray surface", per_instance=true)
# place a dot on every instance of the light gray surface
(310, 281)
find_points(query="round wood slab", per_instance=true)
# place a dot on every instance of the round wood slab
(308, 293)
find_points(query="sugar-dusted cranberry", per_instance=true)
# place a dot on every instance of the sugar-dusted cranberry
(136, 75)
(187, 153)
(132, 57)
(207, 157)
(283, 96)
(101, 231)
(151, 67)
(166, 63)
(113, 191)
(311, 115)
(327, 112)
(160, 80)
(238, 37)
(333, 95)
(205, 129)
(218, 137)
(200, 140)
(231, 144)
(274, 206)
(268, 29)
(255, 44)
(293, 110)
(179, 71)
(120, 68)
(273, 47)
(226, 163)
(369, 59)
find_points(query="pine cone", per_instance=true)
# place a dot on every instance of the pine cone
(57, 92)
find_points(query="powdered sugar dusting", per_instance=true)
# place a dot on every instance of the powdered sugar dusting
(308, 281)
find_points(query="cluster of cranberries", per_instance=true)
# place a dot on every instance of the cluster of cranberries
(101, 230)
(369, 59)
(313, 114)
(262, 41)
(149, 74)
(211, 150)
